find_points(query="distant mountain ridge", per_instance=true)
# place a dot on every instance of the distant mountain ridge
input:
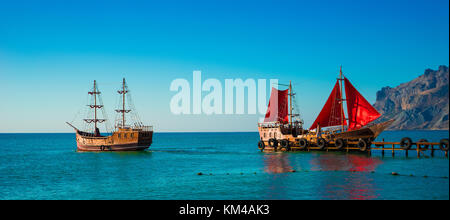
(422, 103)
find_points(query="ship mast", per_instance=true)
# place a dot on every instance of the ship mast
(95, 92)
(291, 107)
(95, 104)
(290, 102)
(123, 103)
(342, 99)
(123, 110)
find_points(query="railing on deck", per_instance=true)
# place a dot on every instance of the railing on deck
(143, 128)
(136, 127)
(273, 125)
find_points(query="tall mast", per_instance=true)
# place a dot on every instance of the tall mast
(95, 105)
(290, 102)
(123, 110)
(342, 100)
(123, 103)
(95, 120)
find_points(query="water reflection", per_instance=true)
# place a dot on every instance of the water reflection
(333, 176)
(278, 185)
(347, 162)
(355, 184)
(277, 163)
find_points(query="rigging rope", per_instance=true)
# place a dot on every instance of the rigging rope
(105, 116)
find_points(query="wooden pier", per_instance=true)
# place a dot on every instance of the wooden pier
(405, 145)
(418, 147)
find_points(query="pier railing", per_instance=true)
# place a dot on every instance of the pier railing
(420, 147)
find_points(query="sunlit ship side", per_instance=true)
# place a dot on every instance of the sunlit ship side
(137, 137)
(125, 139)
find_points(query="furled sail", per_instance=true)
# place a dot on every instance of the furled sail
(332, 113)
(360, 111)
(277, 110)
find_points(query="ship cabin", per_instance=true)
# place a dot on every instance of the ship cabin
(137, 133)
(280, 130)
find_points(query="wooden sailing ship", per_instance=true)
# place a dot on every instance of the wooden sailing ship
(331, 129)
(126, 137)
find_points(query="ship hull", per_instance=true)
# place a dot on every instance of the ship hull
(371, 132)
(123, 147)
(123, 140)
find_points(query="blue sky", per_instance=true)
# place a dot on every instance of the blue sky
(51, 51)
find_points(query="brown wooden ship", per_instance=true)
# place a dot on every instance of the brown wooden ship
(125, 137)
(331, 129)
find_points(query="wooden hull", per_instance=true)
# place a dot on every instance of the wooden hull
(124, 147)
(122, 140)
(371, 132)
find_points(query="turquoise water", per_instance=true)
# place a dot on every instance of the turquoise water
(46, 166)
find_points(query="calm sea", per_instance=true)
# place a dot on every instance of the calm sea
(47, 166)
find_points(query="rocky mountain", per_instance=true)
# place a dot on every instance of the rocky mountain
(422, 103)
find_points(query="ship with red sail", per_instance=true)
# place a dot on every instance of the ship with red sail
(128, 134)
(332, 129)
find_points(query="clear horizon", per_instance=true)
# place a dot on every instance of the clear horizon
(51, 51)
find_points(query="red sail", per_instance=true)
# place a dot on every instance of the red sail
(360, 111)
(278, 106)
(333, 112)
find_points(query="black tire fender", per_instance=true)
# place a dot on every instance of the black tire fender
(443, 144)
(363, 145)
(406, 143)
(285, 144)
(421, 146)
(340, 143)
(302, 143)
(322, 143)
(261, 145)
(273, 143)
